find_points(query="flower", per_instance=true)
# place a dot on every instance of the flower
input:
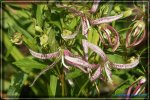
(141, 80)
(107, 32)
(136, 34)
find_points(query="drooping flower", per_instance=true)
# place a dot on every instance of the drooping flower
(136, 34)
(107, 32)
(141, 80)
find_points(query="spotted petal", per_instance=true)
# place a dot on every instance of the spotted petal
(44, 56)
(105, 19)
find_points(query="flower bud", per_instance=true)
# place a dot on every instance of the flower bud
(127, 13)
(44, 40)
(38, 29)
(117, 8)
(17, 38)
(143, 80)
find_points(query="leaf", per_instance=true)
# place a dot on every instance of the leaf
(56, 23)
(95, 37)
(52, 42)
(53, 85)
(23, 31)
(83, 87)
(115, 58)
(27, 64)
(74, 74)
(16, 85)
(39, 14)
(15, 53)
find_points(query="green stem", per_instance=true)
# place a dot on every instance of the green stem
(62, 84)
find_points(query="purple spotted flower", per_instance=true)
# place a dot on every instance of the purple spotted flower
(94, 70)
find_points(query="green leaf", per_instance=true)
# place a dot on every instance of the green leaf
(116, 58)
(23, 31)
(73, 74)
(95, 37)
(90, 34)
(56, 23)
(16, 54)
(39, 14)
(16, 85)
(27, 64)
(53, 85)
(52, 42)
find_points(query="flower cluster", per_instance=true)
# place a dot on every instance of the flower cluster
(108, 37)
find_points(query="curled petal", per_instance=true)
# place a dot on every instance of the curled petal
(129, 92)
(125, 66)
(78, 61)
(136, 41)
(136, 34)
(85, 25)
(44, 56)
(137, 89)
(85, 48)
(96, 74)
(79, 67)
(108, 31)
(105, 19)
(116, 44)
(97, 50)
(108, 72)
(62, 60)
(95, 6)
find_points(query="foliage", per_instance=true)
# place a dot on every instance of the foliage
(53, 27)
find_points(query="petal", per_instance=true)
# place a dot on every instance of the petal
(116, 44)
(97, 50)
(85, 25)
(85, 48)
(105, 19)
(96, 74)
(78, 61)
(125, 66)
(44, 56)
(62, 60)
(80, 67)
(95, 6)
(108, 73)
